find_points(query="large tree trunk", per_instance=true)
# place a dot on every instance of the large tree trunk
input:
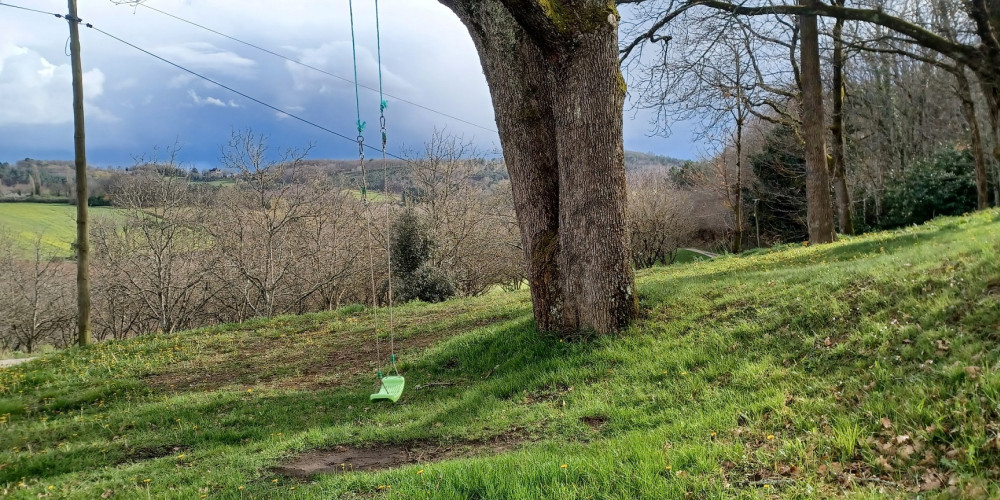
(521, 86)
(845, 217)
(989, 81)
(738, 240)
(819, 215)
(986, 15)
(557, 93)
(969, 110)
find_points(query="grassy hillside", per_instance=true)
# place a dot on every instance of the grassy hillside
(55, 222)
(865, 368)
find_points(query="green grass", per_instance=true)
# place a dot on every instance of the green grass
(373, 195)
(865, 368)
(56, 223)
(220, 182)
(687, 256)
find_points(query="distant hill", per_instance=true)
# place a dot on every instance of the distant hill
(635, 161)
(55, 178)
(45, 179)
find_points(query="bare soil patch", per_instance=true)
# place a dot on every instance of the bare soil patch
(12, 362)
(344, 459)
(595, 422)
(150, 452)
(318, 358)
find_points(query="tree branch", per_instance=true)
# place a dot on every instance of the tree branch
(920, 36)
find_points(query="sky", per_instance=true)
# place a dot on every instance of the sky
(135, 103)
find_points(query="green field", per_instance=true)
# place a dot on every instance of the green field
(864, 369)
(54, 223)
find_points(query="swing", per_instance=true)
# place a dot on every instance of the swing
(390, 386)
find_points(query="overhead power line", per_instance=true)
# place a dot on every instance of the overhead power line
(30, 10)
(237, 92)
(210, 80)
(314, 68)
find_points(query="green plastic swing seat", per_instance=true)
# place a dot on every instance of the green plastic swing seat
(391, 389)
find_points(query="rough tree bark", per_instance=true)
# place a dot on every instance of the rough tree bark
(945, 10)
(552, 68)
(819, 215)
(845, 217)
(969, 110)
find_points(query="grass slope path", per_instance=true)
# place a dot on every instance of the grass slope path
(4, 363)
(867, 368)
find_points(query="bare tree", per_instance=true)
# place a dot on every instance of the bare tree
(38, 297)
(158, 256)
(661, 218)
(838, 167)
(252, 223)
(468, 219)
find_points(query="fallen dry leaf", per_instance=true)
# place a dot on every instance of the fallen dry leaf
(930, 483)
(886, 423)
(883, 463)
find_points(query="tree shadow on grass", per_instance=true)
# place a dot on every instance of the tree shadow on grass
(486, 367)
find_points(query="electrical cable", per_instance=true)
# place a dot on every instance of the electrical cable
(237, 92)
(30, 9)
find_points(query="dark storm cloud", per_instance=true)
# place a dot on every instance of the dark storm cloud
(136, 102)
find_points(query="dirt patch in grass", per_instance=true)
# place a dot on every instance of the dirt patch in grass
(345, 459)
(314, 359)
(595, 422)
(139, 454)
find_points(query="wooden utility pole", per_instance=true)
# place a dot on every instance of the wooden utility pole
(80, 147)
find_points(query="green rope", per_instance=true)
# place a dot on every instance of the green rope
(354, 53)
(385, 186)
(378, 45)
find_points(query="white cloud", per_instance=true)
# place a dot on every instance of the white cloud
(36, 92)
(336, 58)
(205, 56)
(211, 101)
(291, 109)
(180, 81)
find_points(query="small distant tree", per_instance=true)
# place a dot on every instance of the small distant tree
(779, 187)
(661, 218)
(944, 184)
(411, 251)
(156, 257)
(469, 217)
(37, 299)
(255, 224)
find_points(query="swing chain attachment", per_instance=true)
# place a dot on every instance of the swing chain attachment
(381, 120)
